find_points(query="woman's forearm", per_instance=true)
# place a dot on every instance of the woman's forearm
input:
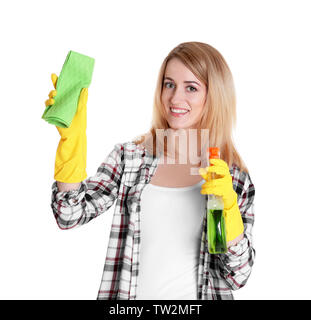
(62, 186)
(235, 241)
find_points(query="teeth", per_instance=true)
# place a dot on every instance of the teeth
(178, 110)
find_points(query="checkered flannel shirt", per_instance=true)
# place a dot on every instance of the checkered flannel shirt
(121, 178)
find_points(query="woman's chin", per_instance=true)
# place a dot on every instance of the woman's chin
(179, 127)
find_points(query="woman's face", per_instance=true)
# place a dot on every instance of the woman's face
(184, 92)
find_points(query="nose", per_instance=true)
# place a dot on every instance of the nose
(177, 96)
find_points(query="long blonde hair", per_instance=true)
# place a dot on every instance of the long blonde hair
(219, 113)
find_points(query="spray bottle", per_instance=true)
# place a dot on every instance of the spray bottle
(216, 229)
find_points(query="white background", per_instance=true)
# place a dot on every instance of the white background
(267, 46)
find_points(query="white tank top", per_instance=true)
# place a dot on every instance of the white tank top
(171, 228)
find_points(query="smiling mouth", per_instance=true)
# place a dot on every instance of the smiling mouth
(178, 112)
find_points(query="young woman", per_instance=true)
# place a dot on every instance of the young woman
(158, 243)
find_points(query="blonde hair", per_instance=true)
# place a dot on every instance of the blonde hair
(219, 113)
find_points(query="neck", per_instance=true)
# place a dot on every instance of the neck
(187, 146)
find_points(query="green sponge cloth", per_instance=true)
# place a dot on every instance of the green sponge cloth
(76, 74)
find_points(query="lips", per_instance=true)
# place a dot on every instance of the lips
(172, 107)
(178, 115)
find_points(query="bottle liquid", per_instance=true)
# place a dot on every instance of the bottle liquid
(216, 229)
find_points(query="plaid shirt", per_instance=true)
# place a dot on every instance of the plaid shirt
(122, 178)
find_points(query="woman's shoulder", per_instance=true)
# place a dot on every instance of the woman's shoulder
(133, 156)
(130, 148)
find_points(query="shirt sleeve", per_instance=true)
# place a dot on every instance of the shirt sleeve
(235, 266)
(95, 195)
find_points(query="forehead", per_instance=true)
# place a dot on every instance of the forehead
(178, 71)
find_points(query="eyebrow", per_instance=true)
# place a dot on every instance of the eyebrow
(184, 81)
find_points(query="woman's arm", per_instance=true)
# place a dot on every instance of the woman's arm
(77, 204)
(62, 186)
(236, 265)
(235, 241)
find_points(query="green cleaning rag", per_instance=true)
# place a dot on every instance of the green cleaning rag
(76, 74)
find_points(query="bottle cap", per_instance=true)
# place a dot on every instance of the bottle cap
(213, 153)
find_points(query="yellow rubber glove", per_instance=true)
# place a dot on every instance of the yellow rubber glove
(222, 186)
(70, 161)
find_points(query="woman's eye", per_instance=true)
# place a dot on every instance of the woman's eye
(169, 83)
(165, 84)
(192, 88)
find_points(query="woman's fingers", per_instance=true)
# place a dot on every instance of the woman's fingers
(215, 183)
(219, 162)
(221, 169)
(217, 186)
(49, 102)
(218, 170)
(203, 173)
(211, 190)
(54, 79)
(52, 94)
